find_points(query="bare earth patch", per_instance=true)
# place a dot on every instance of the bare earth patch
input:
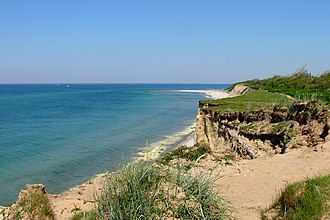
(80, 198)
(252, 185)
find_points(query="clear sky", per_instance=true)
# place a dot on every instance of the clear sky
(166, 41)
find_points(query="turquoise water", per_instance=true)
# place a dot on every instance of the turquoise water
(61, 136)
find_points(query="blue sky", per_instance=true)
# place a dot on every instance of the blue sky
(166, 41)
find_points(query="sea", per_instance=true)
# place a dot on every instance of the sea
(61, 135)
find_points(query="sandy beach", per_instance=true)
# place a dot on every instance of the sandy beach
(212, 94)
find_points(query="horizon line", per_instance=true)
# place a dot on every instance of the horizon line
(104, 83)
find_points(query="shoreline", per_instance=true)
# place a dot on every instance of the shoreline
(156, 149)
(212, 94)
(185, 137)
(82, 195)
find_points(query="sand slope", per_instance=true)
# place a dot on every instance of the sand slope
(253, 184)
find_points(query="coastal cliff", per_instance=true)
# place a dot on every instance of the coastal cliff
(262, 131)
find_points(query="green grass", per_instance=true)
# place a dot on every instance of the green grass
(183, 152)
(308, 199)
(92, 215)
(35, 207)
(280, 127)
(249, 101)
(144, 191)
(247, 127)
(300, 85)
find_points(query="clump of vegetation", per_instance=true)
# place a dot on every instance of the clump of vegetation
(280, 127)
(250, 101)
(144, 191)
(308, 199)
(300, 85)
(290, 133)
(35, 206)
(184, 152)
(227, 159)
(247, 127)
(85, 216)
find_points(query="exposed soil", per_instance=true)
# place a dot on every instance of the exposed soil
(252, 185)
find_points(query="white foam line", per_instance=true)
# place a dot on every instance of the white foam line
(153, 150)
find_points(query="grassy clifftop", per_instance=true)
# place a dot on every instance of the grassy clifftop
(249, 101)
(300, 85)
(271, 92)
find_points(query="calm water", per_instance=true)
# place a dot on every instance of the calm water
(62, 136)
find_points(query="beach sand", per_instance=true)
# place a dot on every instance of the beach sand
(213, 94)
(252, 185)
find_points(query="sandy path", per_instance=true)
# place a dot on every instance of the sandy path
(251, 185)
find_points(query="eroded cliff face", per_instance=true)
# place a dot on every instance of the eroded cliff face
(258, 133)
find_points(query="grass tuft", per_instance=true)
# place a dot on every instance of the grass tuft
(85, 216)
(35, 207)
(144, 191)
(184, 152)
(308, 199)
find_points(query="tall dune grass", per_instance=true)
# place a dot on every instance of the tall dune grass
(145, 191)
